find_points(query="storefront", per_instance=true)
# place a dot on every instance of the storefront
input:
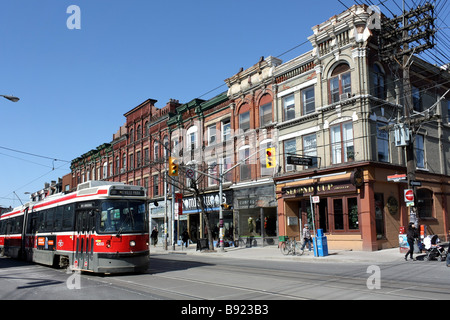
(359, 208)
(192, 219)
(338, 208)
(256, 215)
(160, 217)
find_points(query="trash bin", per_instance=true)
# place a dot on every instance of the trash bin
(320, 244)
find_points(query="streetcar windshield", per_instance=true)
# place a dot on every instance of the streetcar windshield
(122, 216)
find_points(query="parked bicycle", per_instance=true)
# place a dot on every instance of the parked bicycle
(291, 246)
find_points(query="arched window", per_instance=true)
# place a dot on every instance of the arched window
(424, 203)
(131, 136)
(378, 78)
(339, 84)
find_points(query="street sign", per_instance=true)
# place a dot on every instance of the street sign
(315, 199)
(299, 161)
(409, 195)
(397, 178)
(414, 183)
(190, 173)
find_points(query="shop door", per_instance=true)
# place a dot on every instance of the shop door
(84, 238)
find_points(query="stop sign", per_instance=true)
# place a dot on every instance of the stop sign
(409, 195)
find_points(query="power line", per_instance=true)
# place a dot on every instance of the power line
(33, 154)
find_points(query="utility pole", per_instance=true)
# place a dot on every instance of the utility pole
(395, 45)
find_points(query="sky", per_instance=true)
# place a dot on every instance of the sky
(75, 85)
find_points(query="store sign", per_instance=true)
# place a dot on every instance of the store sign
(211, 201)
(335, 187)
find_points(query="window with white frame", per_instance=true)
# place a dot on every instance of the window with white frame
(310, 149)
(212, 171)
(105, 170)
(290, 149)
(265, 114)
(340, 82)
(226, 130)
(245, 167)
(308, 100)
(419, 148)
(382, 143)
(191, 138)
(211, 134)
(289, 107)
(244, 121)
(342, 149)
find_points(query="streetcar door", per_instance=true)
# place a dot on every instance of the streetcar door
(84, 239)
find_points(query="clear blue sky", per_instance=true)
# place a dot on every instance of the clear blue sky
(75, 85)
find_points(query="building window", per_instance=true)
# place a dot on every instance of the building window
(138, 158)
(340, 82)
(124, 161)
(289, 107)
(155, 185)
(155, 151)
(226, 130)
(212, 171)
(425, 203)
(117, 165)
(265, 114)
(131, 135)
(419, 148)
(382, 143)
(105, 170)
(342, 149)
(244, 121)
(290, 148)
(139, 132)
(166, 147)
(212, 134)
(131, 163)
(308, 100)
(245, 167)
(310, 149)
(345, 214)
(378, 77)
(226, 162)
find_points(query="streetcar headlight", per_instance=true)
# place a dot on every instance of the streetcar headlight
(132, 243)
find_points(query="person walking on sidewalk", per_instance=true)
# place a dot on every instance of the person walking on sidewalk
(154, 236)
(306, 234)
(185, 238)
(411, 235)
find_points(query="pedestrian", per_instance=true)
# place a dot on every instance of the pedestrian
(306, 234)
(411, 235)
(185, 238)
(154, 236)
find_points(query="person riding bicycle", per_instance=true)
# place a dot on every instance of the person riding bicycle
(306, 234)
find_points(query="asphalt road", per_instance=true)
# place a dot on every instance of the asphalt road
(188, 278)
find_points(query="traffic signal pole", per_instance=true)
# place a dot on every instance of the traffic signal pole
(220, 179)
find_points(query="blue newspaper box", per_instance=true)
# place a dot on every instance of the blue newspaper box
(320, 244)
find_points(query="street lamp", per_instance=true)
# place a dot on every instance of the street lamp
(10, 98)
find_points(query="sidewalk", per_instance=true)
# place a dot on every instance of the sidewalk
(273, 253)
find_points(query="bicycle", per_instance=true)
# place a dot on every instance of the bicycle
(291, 246)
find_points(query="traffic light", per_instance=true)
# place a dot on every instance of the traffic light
(225, 206)
(271, 161)
(173, 167)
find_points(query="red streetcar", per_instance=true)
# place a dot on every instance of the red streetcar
(102, 228)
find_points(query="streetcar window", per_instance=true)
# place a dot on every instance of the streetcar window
(68, 216)
(119, 216)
